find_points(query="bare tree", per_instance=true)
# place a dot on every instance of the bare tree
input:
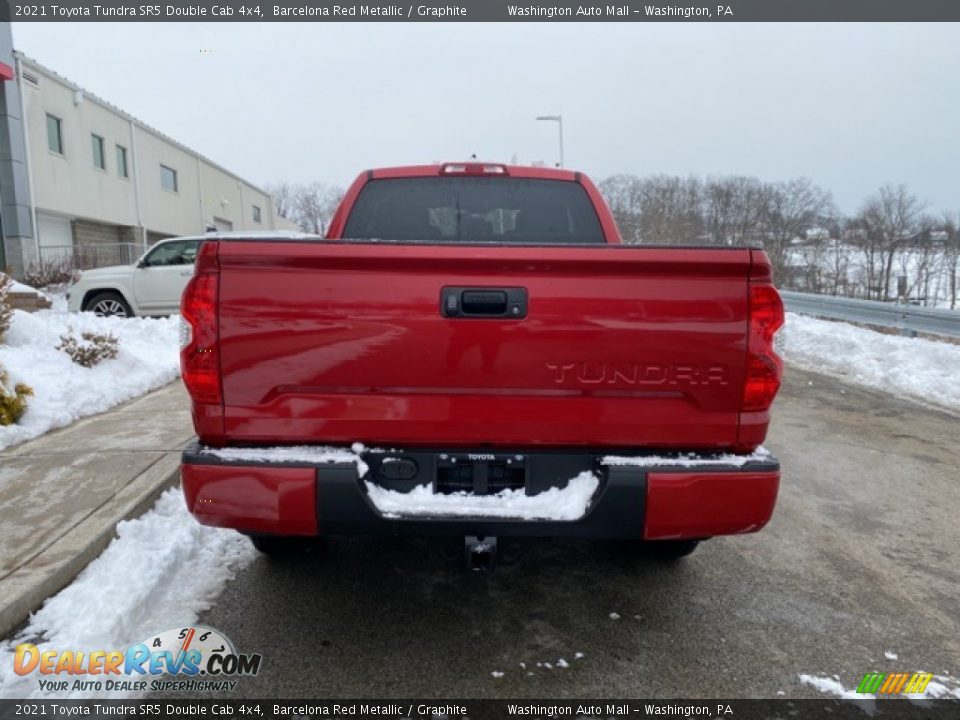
(951, 255)
(734, 209)
(671, 210)
(887, 220)
(837, 259)
(810, 245)
(282, 194)
(657, 209)
(920, 262)
(790, 209)
(622, 195)
(314, 205)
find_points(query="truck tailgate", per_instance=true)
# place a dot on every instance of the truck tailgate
(621, 346)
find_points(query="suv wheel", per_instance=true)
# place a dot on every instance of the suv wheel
(106, 304)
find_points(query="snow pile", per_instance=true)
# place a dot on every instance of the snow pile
(911, 367)
(19, 287)
(58, 301)
(832, 686)
(64, 391)
(159, 573)
(314, 454)
(569, 503)
(940, 687)
(761, 454)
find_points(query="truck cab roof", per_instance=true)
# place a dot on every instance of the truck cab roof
(474, 168)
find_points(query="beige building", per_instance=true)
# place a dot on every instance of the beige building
(101, 180)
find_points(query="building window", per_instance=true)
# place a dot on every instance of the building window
(55, 134)
(122, 169)
(256, 214)
(168, 178)
(99, 156)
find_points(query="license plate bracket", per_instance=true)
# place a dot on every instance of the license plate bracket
(480, 473)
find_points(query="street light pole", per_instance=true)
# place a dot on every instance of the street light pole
(559, 120)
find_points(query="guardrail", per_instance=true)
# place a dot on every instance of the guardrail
(909, 319)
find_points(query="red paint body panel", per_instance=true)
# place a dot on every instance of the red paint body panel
(623, 346)
(699, 505)
(279, 500)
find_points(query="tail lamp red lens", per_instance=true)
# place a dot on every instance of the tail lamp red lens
(200, 353)
(764, 366)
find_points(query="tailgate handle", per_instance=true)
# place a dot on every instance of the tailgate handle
(461, 302)
(483, 302)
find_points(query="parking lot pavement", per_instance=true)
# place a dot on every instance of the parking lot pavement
(859, 560)
(62, 494)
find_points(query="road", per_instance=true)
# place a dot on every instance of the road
(860, 558)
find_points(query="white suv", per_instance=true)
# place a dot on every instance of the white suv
(151, 286)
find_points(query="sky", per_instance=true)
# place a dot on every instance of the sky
(851, 106)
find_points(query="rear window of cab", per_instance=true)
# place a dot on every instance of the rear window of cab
(474, 209)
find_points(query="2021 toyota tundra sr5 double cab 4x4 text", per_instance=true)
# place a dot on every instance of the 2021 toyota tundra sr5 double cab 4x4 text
(472, 351)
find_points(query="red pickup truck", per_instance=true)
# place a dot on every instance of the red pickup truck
(472, 351)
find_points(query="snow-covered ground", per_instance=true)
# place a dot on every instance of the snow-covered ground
(921, 369)
(927, 270)
(161, 571)
(64, 391)
(832, 686)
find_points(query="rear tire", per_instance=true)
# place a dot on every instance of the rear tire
(279, 546)
(667, 550)
(109, 304)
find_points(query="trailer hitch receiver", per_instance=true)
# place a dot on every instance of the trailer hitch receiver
(480, 552)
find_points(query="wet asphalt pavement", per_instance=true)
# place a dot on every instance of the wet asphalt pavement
(862, 557)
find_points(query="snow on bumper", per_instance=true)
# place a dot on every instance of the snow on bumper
(568, 503)
(322, 490)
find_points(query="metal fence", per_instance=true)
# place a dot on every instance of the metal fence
(909, 319)
(87, 257)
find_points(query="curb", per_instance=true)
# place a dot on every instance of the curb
(55, 567)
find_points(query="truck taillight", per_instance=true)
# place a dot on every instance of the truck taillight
(200, 354)
(764, 366)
